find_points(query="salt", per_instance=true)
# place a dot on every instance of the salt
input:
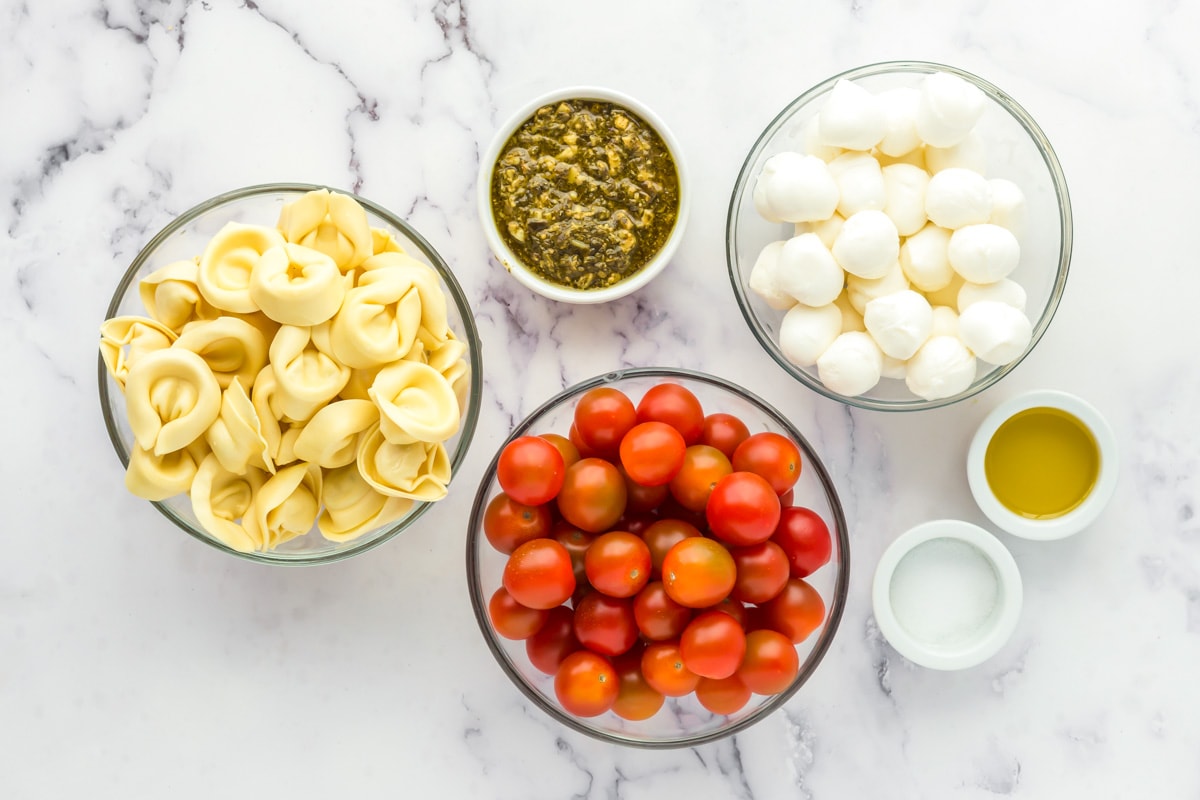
(944, 591)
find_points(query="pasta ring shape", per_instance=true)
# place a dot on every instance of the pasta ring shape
(330, 438)
(232, 348)
(352, 507)
(152, 477)
(294, 285)
(171, 397)
(236, 436)
(140, 334)
(416, 404)
(378, 321)
(223, 275)
(330, 222)
(220, 498)
(284, 507)
(171, 296)
(419, 471)
(306, 371)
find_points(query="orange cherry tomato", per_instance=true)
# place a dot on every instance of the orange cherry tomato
(702, 468)
(771, 663)
(723, 696)
(796, 612)
(586, 684)
(698, 572)
(662, 666)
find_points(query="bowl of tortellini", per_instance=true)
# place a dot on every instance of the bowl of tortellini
(290, 373)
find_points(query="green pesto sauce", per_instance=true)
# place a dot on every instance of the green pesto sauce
(585, 193)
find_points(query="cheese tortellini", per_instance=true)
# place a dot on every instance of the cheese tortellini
(295, 381)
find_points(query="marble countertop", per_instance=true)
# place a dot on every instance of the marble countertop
(137, 662)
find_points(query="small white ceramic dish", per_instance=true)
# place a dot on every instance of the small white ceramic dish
(1056, 527)
(947, 594)
(505, 254)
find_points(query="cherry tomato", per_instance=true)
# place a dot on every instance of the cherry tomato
(770, 456)
(636, 700)
(512, 620)
(796, 612)
(735, 609)
(662, 666)
(553, 642)
(530, 470)
(605, 625)
(664, 534)
(539, 575)
(592, 497)
(586, 684)
(642, 498)
(618, 564)
(724, 696)
(576, 542)
(659, 617)
(712, 645)
(566, 448)
(698, 572)
(652, 452)
(805, 539)
(771, 663)
(724, 432)
(762, 572)
(743, 509)
(676, 406)
(702, 467)
(584, 449)
(602, 417)
(508, 524)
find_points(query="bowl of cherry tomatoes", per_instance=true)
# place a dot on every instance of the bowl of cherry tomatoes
(657, 558)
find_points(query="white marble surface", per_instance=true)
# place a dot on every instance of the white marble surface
(137, 662)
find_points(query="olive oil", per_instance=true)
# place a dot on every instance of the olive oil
(1042, 463)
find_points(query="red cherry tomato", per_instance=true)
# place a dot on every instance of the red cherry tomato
(658, 617)
(512, 620)
(703, 467)
(530, 470)
(642, 498)
(796, 612)
(576, 542)
(605, 625)
(553, 642)
(618, 564)
(637, 699)
(566, 449)
(698, 572)
(539, 575)
(652, 452)
(508, 524)
(771, 663)
(724, 696)
(664, 534)
(592, 497)
(712, 645)
(662, 666)
(602, 417)
(735, 609)
(805, 539)
(770, 456)
(743, 509)
(676, 406)
(724, 432)
(762, 572)
(586, 684)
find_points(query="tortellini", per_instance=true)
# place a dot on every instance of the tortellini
(291, 378)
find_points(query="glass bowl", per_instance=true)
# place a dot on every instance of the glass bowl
(1017, 150)
(186, 237)
(682, 722)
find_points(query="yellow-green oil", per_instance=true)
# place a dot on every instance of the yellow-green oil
(1042, 463)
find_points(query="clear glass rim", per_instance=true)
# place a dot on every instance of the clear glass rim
(469, 420)
(1066, 230)
(807, 668)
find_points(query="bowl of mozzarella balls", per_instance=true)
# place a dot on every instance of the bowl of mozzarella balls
(899, 236)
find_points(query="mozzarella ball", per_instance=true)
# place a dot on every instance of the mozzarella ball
(948, 109)
(899, 323)
(943, 367)
(851, 118)
(1005, 291)
(945, 321)
(899, 107)
(958, 197)
(861, 291)
(860, 183)
(970, 153)
(923, 258)
(904, 186)
(798, 188)
(983, 253)
(811, 144)
(763, 278)
(1008, 206)
(852, 319)
(893, 368)
(808, 272)
(995, 332)
(867, 245)
(948, 294)
(851, 365)
(807, 332)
